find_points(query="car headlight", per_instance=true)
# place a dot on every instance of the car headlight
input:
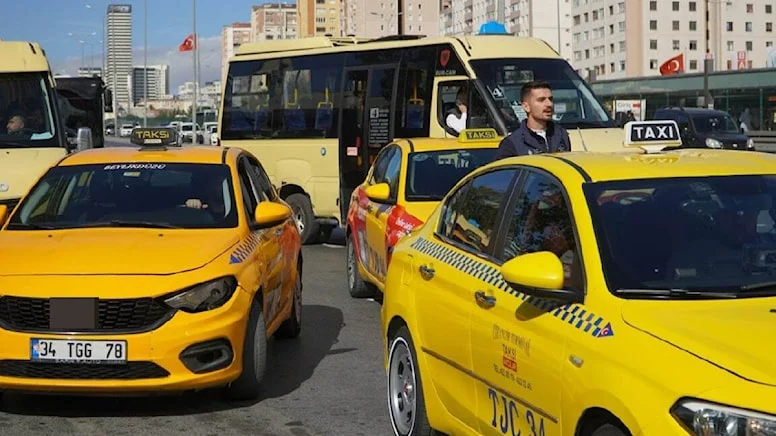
(206, 296)
(750, 143)
(713, 143)
(708, 419)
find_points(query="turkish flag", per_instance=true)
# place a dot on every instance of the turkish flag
(673, 65)
(187, 44)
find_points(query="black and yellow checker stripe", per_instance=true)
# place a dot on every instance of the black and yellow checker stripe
(572, 314)
(245, 248)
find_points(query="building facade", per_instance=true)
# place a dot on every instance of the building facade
(158, 77)
(232, 37)
(90, 72)
(377, 18)
(273, 21)
(549, 20)
(615, 39)
(119, 48)
(319, 17)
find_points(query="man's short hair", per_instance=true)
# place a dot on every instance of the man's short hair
(530, 86)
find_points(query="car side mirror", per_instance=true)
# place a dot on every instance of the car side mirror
(270, 214)
(3, 213)
(379, 193)
(538, 274)
(83, 139)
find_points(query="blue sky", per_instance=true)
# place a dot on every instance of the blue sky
(169, 22)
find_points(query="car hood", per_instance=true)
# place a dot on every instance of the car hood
(727, 137)
(110, 251)
(731, 334)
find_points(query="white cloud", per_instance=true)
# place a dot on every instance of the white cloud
(181, 63)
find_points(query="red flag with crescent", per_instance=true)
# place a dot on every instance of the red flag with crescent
(187, 44)
(673, 66)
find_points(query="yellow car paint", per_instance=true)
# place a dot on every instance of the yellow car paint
(493, 360)
(119, 264)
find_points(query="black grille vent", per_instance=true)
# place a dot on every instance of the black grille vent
(74, 371)
(127, 316)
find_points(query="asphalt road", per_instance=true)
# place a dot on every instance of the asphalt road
(329, 381)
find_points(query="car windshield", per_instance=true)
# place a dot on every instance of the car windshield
(431, 174)
(575, 104)
(133, 194)
(26, 111)
(701, 234)
(714, 124)
(186, 127)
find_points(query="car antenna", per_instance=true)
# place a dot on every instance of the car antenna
(582, 138)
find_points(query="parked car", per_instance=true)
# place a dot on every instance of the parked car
(706, 128)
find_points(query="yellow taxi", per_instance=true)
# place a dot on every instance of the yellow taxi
(401, 189)
(146, 269)
(535, 301)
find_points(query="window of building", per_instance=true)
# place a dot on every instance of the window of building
(693, 26)
(769, 27)
(693, 6)
(748, 26)
(729, 26)
(622, 65)
(675, 25)
(676, 45)
(652, 24)
(653, 64)
(730, 46)
(693, 64)
(748, 45)
(675, 6)
(653, 44)
(653, 5)
(693, 44)
(768, 9)
(749, 8)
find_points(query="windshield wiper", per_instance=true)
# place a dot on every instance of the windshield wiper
(422, 197)
(22, 226)
(126, 223)
(762, 286)
(676, 293)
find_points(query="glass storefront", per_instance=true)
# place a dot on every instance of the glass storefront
(733, 91)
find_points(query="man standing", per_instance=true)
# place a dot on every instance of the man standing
(537, 133)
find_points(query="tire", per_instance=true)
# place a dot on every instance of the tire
(324, 234)
(292, 327)
(406, 404)
(254, 357)
(609, 430)
(303, 211)
(356, 285)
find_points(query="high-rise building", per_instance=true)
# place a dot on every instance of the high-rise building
(90, 72)
(273, 21)
(158, 77)
(617, 38)
(232, 37)
(119, 47)
(549, 20)
(319, 17)
(376, 18)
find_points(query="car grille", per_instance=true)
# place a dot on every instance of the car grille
(115, 316)
(74, 371)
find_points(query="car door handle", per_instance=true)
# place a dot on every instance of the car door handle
(427, 272)
(484, 300)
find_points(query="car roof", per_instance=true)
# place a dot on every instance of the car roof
(108, 155)
(599, 166)
(692, 110)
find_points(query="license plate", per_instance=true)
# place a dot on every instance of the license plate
(74, 351)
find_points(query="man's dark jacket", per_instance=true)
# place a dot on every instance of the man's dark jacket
(524, 141)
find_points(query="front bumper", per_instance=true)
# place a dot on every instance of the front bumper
(188, 352)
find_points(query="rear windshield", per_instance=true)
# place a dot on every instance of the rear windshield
(431, 174)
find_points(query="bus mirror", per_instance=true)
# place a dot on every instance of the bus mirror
(83, 139)
(108, 106)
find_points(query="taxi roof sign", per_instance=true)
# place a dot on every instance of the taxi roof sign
(652, 136)
(476, 135)
(153, 136)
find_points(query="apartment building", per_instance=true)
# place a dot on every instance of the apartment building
(319, 17)
(274, 21)
(377, 18)
(232, 36)
(549, 20)
(615, 39)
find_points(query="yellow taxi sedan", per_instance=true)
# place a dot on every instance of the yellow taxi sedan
(590, 294)
(404, 184)
(145, 269)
